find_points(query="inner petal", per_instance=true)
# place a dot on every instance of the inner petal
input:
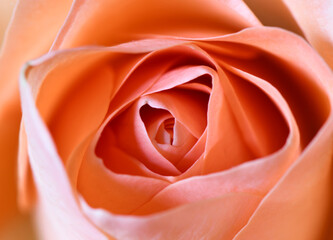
(183, 104)
(178, 90)
(128, 133)
(165, 132)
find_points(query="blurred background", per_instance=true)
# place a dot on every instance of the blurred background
(13, 224)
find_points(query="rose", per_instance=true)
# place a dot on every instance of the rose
(262, 232)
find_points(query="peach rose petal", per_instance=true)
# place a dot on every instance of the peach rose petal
(155, 69)
(92, 184)
(244, 123)
(144, 72)
(134, 139)
(181, 103)
(56, 198)
(129, 133)
(80, 71)
(50, 68)
(303, 208)
(192, 221)
(307, 183)
(256, 176)
(192, 163)
(173, 197)
(316, 20)
(297, 80)
(128, 164)
(53, 93)
(302, 196)
(234, 194)
(158, 86)
(187, 18)
(183, 74)
(118, 193)
(221, 114)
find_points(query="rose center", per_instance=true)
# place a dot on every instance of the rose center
(165, 133)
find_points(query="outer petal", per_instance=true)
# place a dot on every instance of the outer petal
(30, 34)
(298, 207)
(63, 84)
(304, 66)
(200, 220)
(316, 20)
(132, 20)
(313, 19)
(57, 203)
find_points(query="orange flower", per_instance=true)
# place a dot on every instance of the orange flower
(171, 120)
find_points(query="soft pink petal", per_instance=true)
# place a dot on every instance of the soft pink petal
(200, 220)
(56, 197)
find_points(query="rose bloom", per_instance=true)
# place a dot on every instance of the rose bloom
(192, 119)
